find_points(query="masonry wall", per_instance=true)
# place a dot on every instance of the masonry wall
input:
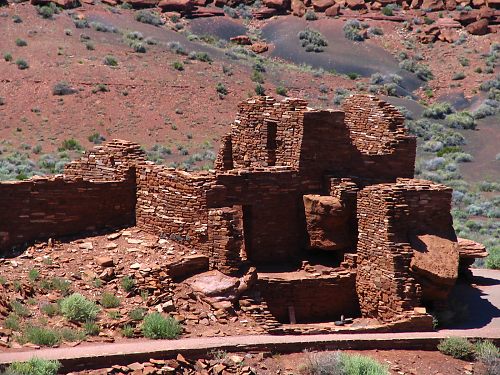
(387, 215)
(41, 208)
(172, 204)
(323, 298)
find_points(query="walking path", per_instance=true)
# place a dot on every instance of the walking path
(485, 312)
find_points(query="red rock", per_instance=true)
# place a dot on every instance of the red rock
(176, 5)
(66, 4)
(241, 40)
(298, 8)
(465, 18)
(478, 3)
(206, 12)
(259, 47)
(333, 11)
(448, 35)
(136, 4)
(478, 28)
(435, 264)
(105, 261)
(355, 4)
(322, 5)
(450, 4)
(433, 5)
(376, 6)
(277, 4)
(327, 222)
(471, 249)
(447, 23)
(264, 13)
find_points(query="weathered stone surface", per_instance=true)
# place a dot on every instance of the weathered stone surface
(479, 27)
(327, 222)
(241, 39)
(277, 4)
(435, 262)
(259, 47)
(298, 8)
(333, 11)
(176, 5)
(188, 266)
(105, 261)
(471, 249)
(138, 4)
(433, 5)
(322, 5)
(355, 4)
(66, 4)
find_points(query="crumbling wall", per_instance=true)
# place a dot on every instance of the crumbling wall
(311, 299)
(108, 162)
(44, 207)
(172, 204)
(265, 133)
(388, 216)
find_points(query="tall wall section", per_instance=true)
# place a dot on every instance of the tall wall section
(388, 215)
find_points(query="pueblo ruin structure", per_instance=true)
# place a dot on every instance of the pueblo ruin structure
(322, 202)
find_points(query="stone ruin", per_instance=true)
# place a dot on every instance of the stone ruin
(322, 203)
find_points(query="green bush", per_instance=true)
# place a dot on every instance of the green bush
(280, 90)
(7, 56)
(62, 88)
(260, 90)
(457, 347)
(461, 120)
(128, 283)
(12, 322)
(33, 275)
(78, 308)
(22, 64)
(353, 30)
(137, 313)
(148, 17)
(387, 11)
(71, 335)
(156, 326)
(493, 259)
(109, 300)
(41, 336)
(35, 366)
(127, 331)
(177, 65)
(338, 363)
(56, 283)
(221, 89)
(48, 11)
(312, 40)
(19, 309)
(489, 355)
(458, 76)
(438, 110)
(110, 61)
(50, 309)
(21, 42)
(91, 328)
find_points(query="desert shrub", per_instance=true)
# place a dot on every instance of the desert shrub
(260, 90)
(489, 354)
(489, 186)
(35, 366)
(33, 274)
(19, 309)
(257, 76)
(137, 313)
(280, 90)
(156, 326)
(221, 89)
(146, 16)
(50, 309)
(312, 40)
(47, 11)
(457, 347)
(461, 120)
(376, 79)
(70, 145)
(352, 75)
(387, 11)
(338, 363)
(91, 328)
(62, 88)
(488, 108)
(12, 322)
(71, 335)
(98, 26)
(200, 56)
(438, 110)
(492, 83)
(110, 61)
(353, 30)
(176, 47)
(464, 61)
(16, 19)
(127, 283)
(41, 336)
(80, 23)
(230, 11)
(138, 47)
(109, 300)
(22, 64)
(177, 65)
(90, 46)
(127, 331)
(78, 308)
(310, 15)
(375, 31)
(7, 56)
(422, 71)
(21, 42)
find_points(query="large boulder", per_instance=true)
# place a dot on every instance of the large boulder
(432, 5)
(298, 8)
(333, 11)
(322, 5)
(259, 47)
(176, 5)
(140, 4)
(66, 4)
(188, 266)
(434, 264)
(355, 4)
(479, 27)
(277, 4)
(328, 223)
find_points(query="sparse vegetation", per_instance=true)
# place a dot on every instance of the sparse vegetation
(47, 11)
(109, 300)
(96, 138)
(137, 314)
(339, 363)
(63, 88)
(353, 30)
(280, 90)
(260, 90)
(221, 89)
(40, 336)
(177, 65)
(99, 26)
(7, 56)
(70, 144)
(310, 15)
(421, 71)
(312, 40)
(461, 120)
(156, 326)
(438, 110)
(146, 16)
(127, 331)
(50, 309)
(78, 308)
(110, 61)
(22, 64)
(457, 347)
(35, 366)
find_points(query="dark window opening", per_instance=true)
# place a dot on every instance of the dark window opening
(271, 145)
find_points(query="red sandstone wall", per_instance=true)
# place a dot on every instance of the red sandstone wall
(46, 207)
(387, 215)
(324, 298)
